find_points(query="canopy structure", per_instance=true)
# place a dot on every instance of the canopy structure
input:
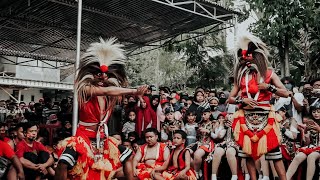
(45, 30)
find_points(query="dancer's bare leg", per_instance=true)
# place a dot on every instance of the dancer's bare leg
(311, 168)
(245, 169)
(264, 168)
(297, 160)
(273, 169)
(251, 168)
(281, 171)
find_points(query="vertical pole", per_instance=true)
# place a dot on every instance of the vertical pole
(19, 95)
(157, 72)
(75, 94)
(235, 32)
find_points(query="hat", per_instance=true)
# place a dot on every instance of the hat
(164, 101)
(224, 114)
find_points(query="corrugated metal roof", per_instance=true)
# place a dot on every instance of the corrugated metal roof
(46, 29)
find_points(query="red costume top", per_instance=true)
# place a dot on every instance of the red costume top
(264, 95)
(172, 172)
(159, 158)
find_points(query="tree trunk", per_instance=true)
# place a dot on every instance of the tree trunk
(286, 56)
(281, 55)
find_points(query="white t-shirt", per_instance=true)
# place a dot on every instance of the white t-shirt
(286, 101)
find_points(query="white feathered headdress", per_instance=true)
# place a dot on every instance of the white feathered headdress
(106, 53)
(105, 56)
(249, 43)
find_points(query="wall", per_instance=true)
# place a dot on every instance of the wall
(37, 73)
(26, 92)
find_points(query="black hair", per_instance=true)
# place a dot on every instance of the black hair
(3, 124)
(314, 106)
(291, 81)
(313, 81)
(11, 130)
(191, 112)
(19, 125)
(181, 132)
(27, 126)
(133, 134)
(154, 130)
(126, 140)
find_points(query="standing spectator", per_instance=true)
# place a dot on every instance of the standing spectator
(174, 101)
(199, 104)
(155, 102)
(212, 93)
(191, 128)
(294, 103)
(146, 117)
(66, 130)
(222, 107)
(49, 108)
(214, 102)
(33, 155)
(315, 93)
(3, 111)
(130, 125)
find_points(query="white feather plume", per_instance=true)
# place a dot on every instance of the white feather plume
(244, 40)
(106, 52)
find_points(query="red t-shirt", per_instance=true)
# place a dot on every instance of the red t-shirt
(5, 139)
(5, 150)
(22, 147)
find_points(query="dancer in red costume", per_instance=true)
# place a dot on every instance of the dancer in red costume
(91, 153)
(255, 126)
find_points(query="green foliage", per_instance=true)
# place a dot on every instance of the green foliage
(142, 69)
(206, 56)
(280, 25)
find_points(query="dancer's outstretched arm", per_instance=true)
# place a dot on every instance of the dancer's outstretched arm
(114, 91)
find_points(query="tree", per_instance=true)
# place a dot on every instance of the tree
(142, 69)
(208, 59)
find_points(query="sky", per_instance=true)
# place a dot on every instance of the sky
(242, 28)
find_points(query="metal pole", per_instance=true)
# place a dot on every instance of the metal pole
(75, 94)
(157, 72)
